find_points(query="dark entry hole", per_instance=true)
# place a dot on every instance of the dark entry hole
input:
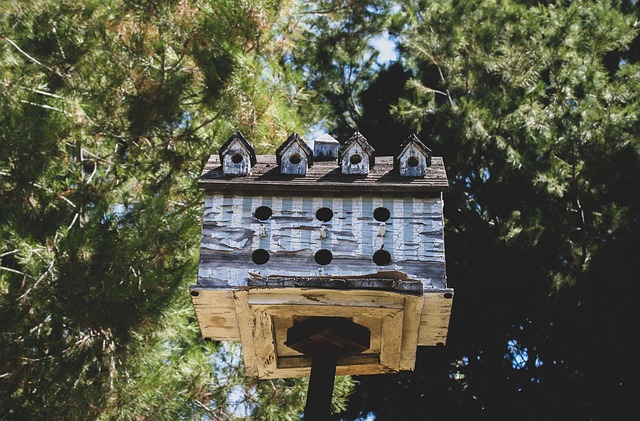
(324, 214)
(263, 213)
(260, 256)
(323, 257)
(295, 158)
(381, 214)
(382, 258)
(237, 158)
(448, 295)
(355, 159)
(195, 293)
(413, 161)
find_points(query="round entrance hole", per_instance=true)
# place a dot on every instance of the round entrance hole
(260, 256)
(382, 258)
(355, 159)
(381, 214)
(324, 214)
(413, 161)
(263, 213)
(323, 257)
(237, 158)
(295, 158)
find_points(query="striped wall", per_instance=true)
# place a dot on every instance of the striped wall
(413, 235)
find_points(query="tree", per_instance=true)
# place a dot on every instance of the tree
(335, 54)
(535, 108)
(107, 113)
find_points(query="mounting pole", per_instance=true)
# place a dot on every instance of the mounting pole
(324, 339)
(323, 374)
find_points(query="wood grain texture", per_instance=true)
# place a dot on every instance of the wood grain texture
(264, 316)
(434, 320)
(293, 234)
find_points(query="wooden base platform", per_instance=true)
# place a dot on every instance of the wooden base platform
(261, 317)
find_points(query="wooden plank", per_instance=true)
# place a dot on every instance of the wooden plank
(434, 321)
(348, 370)
(245, 327)
(216, 314)
(410, 328)
(406, 285)
(264, 344)
(320, 297)
(302, 361)
(392, 340)
(374, 325)
(324, 310)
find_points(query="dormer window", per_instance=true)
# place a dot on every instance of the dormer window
(294, 156)
(237, 156)
(413, 158)
(356, 156)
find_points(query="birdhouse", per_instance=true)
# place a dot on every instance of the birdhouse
(413, 158)
(325, 258)
(294, 156)
(237, 156)
(325, 148)
(356, 156)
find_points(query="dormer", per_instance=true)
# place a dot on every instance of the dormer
(294, 156)
(237, 156)
(413, 158)
(356, 156)
(325, 148)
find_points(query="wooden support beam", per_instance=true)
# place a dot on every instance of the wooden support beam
(324, 339)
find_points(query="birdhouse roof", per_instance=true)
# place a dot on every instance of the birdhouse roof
(362, 141)
(237, 136)
(412, 139)
(324, 177)
(294, 138)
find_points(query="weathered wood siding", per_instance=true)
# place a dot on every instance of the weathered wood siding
(351, 167)
(413, 235)
(412, 169)
(298, 166)
(237, 152)
(325, 148)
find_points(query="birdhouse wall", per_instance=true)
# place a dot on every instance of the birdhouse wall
(291, 236)
(294, 160)
(355, 160)
(236, 160)
(412, 162)
(325, 148)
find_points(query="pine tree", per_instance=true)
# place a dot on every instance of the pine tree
(535, 108)
(107, 113)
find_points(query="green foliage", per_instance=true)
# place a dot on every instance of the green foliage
(334, 51)
(107, 113)
(535, 108)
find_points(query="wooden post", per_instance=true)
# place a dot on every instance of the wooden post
(323, 374)
(324, 339)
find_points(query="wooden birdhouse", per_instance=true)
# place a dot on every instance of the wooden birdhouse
(325, 148)
(413, 158)
(294, 156)
(237, 156)
(358, 263)
(356, 156)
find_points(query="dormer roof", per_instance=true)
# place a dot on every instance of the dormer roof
(358, 138)
(291, 140)
(238, 138)
(413, 158)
